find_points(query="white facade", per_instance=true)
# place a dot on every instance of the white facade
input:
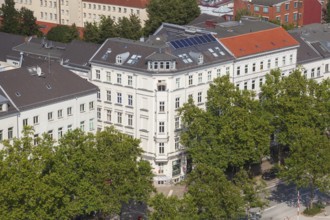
(77, 11)
(54, 119)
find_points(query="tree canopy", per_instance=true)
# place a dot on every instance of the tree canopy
(299, 111)
(129, 28)
(171, 11)
(18, 22)
(82, 175)
(63, 33)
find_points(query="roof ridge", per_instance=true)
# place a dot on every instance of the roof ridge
(270, 29)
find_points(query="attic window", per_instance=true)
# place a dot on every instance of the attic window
(118, 59)
(185, 58)
(219, 51)
(18, 94)
(213, 53)
(134, 59)
(106, 54)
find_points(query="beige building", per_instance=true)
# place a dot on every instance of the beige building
(78, 12)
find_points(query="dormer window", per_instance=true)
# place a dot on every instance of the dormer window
(118, 59)
(161, 65)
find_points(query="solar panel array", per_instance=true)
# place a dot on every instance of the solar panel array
(191, 41)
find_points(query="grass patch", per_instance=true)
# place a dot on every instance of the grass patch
(317, 208)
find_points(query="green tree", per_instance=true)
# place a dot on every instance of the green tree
(91, 32)
(11, 18)
(84, 174)
(28, 25)
(107, 29)
(171, 11)
(326, 13)
(129, 28)
(299, 112)
(242, 12)
(63, 33)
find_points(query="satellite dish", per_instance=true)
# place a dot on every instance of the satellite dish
(39, 71)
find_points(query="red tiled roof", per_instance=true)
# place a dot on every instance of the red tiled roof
(258, 42)
(127, 3)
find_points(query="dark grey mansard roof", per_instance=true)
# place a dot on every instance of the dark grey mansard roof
(306, 53)
(7, 42)
(318, 35)
(28, 90)
(157, 49)
(78, 53)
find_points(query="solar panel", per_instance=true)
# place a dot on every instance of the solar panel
(179, 43)
(189, 42)
(207, 38)
(211, 37)
(174, 45)
(184, 43)
(202, 39)
(193, 41)
(198, 40)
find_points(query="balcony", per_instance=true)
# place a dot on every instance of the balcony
(161, 158)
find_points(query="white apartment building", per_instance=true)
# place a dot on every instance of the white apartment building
(78, 12)
(48, 97)
(142, 84)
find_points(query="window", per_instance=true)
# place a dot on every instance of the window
(108, 95)
(246, 69)
(50, 116)
(98, 74)
(99, 113)
(10, 133)
(256, 8)
(276, 62)
(269, 64)
(253, 84)
(82, 125)
(218, 72)
(130, 100)
(318, 72)
(199, 97)
(25, 122)
(160, 168)
(119, 117)
(295, 4)
(254, 67)
(238, 85)
(238, 70)
(161, 106)
(161, 148)
(108, 115)
(291, 58)
(176, 167)
(177, 122)
(286, 18)
(119, 98)
(295, 16)
(130, 120)
(190, 80)
(130, 80)
(245, 85)
(69, 111)
(200, 77)
(287, 6)
(283, 60)
(50, 134)
(327, 68)
(91, 105)
(260, 82)
(177, 102)
(35, 139)
(36, 120)
(227, 70)
(69, 127)
(265, 9)
(99, 94)
(209, 76)
(118, 78)
(161, 127)
(177, 82)
(261, 65)
(60, 132)
(82, 107)
(108, 77)
(278, 9)
(1, 135)
(177, 143)
(313, 73)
